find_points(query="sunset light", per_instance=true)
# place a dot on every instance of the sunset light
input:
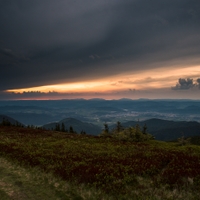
(142, 80)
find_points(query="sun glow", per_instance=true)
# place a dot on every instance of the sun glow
(69, 87)
(141, 80)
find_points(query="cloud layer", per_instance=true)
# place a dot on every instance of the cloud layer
(50, 42)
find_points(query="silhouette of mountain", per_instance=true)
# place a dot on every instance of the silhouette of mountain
(77, 125)
(168, 130)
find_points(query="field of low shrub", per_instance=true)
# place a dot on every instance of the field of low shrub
(114, 166)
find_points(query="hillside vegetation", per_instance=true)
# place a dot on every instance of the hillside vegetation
(164, 130)
(119, 169)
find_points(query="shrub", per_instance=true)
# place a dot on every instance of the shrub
(134, 134)
(183, 141)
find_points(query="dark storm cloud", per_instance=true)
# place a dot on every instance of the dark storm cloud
(7, 56)
(186, 84)
(7, 52)
(47, 42)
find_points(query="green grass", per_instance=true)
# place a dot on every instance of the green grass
(42, 164)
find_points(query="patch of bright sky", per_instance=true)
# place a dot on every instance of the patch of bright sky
(157, 78)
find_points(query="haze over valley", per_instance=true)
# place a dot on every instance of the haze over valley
(99, 111)
(165, 119)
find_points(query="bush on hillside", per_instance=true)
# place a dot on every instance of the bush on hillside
(134, 134)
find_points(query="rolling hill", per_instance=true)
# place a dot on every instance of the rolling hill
(77, 125)
(167, 130)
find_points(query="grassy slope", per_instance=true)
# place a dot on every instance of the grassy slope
(22, 183)
(119, 170)
(19, 183)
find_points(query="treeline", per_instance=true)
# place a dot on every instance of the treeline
(62, 128)
(119, 132)
(58, 127)
(134, 133)
(6, 122)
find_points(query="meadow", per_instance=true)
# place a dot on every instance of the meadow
(104, 167)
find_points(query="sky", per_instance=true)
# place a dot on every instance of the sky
(114, 49)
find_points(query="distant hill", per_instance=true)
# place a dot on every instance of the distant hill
(164, 130)
(168, 130)
(9, 119)
(77, 125)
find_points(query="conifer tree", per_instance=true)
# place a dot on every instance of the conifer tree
(71, 130)
(57, 127)
(63, 127)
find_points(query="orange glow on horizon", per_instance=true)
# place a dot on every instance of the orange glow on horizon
(141, 80)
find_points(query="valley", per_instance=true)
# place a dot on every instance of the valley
(165, 119)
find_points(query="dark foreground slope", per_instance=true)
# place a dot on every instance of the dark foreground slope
(124, 169)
